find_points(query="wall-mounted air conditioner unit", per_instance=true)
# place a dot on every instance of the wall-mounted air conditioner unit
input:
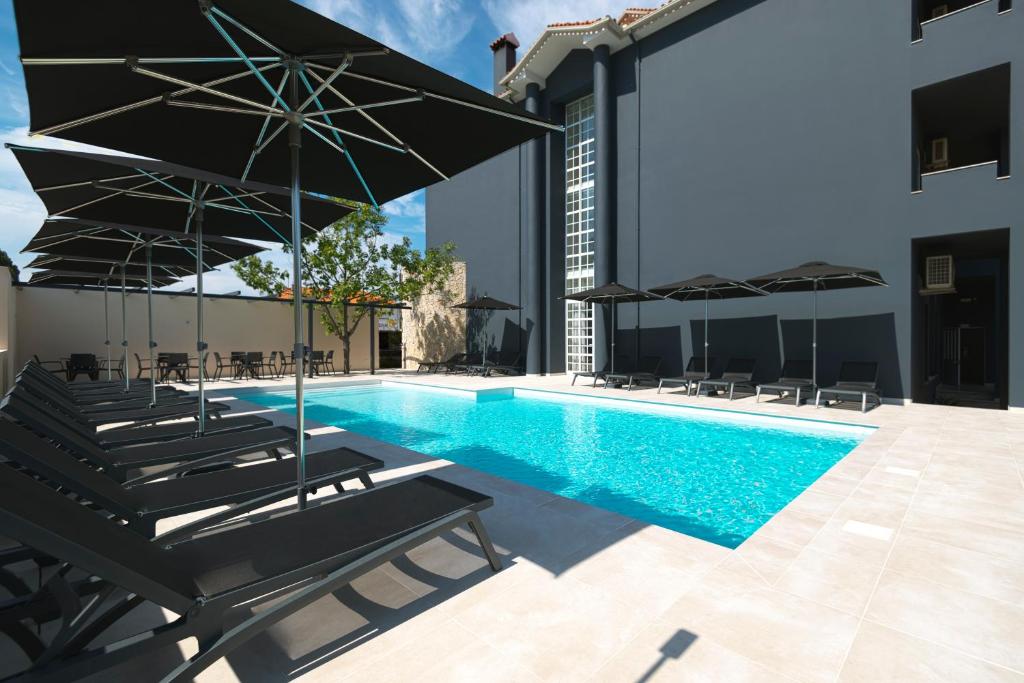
(939, 11)
(938, 156)
(938, 272)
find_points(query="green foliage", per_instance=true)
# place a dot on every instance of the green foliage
(350, 262)
(5, 260)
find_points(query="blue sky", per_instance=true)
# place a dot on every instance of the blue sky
(450, 35)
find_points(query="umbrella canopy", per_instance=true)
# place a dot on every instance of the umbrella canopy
(612, 293)
(71, 277)
(156, 194)
(707, 287)
(207, 84)
(103, 268)
(812, 277)
(487, 303)
(818, 275)
(265, 90)
(114, 243)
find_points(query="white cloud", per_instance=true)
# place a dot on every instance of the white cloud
(409, 206)
(528, 18)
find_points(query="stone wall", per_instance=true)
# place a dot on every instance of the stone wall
(432, 330)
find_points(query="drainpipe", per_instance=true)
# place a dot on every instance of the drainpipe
(535, 241)
(604, 210)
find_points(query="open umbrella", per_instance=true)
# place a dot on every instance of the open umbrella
(237, 87)
(156, 194)
(707, 287)
(103, 268)
(132, 248)
(487, 303)
(814, 276)
(612, 293)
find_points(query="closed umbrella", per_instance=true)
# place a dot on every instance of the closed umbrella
(487, 303)
(707, 287)
(239, 87)
(612, 293)
(812, 277)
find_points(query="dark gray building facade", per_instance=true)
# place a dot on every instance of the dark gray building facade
(742, 137)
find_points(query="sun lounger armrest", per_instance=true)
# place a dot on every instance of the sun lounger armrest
(186, 531)
(223, 456)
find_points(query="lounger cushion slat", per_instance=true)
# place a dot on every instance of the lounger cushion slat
(177, 430)
(354, 525)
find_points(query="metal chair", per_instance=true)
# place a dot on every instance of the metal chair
(329, 362)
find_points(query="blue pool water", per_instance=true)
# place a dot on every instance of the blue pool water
(716, 475)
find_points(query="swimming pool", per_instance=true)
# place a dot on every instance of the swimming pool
(716, 475)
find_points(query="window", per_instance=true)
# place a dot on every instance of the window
(579, 232)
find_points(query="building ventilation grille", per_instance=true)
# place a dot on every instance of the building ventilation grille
(938, 272)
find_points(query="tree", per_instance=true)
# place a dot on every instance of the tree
(5, 260)
(350, 265)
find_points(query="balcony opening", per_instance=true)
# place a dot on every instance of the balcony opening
(960, 312)
(929, 10)
(962, 122)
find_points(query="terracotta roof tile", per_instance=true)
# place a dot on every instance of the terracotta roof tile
(509, 38)
(563, 24)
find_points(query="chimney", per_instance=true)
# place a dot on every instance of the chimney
(504, 49)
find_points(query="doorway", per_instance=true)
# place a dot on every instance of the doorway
(389, 354)
(961, 319)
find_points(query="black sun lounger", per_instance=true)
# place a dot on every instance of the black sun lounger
(158, 413)
(620, 361)
(435, 365)
(206, 578)
(693, 374)
(141, 506)
(95, 389)
(739, 372)
(794, 379)
(646, 371)
(119, 462)
(468, 362)
(857, 379)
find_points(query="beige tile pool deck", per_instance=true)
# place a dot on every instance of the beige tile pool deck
(905, 562)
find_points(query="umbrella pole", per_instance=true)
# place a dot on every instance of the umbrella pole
(814, 336)
(106, 322)
(707, 370)
(294, 145)
(612, 361)
(200, 344)
(149, 309)
(124, 332)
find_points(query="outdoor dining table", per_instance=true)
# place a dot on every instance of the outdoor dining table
(176, 363)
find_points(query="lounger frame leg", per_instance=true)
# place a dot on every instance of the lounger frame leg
(817, 399)
(797, 399)
(864, 402)
(731, 388)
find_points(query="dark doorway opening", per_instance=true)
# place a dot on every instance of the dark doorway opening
(961, 319)
(389, 345)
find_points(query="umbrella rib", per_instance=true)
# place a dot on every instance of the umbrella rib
(139, 194)
(202, 88)
(357, 136)
(245, 29)
(227, 110)
(139, 104)
(337, 131)
(371, 105)
(257, 147)
(286, 214)
(255, 215)
(351, 162)
(314, 95)
(381, 127)
(238, 50)
(103, 198)
(68, 186)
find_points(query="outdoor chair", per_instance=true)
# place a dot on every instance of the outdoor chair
(116, 367)
(287, 363)
(237, 363)
(318, 362)
(92, 389)
(693, 374)
(140, 507)
(83, 364)
(508, 364)
(174, 457)
(620, 361)
(174, 364)
(213, 581)
(857, 379)
(739, 372)
(268, 366)
(219, 366)
(646, 371)
(469, 361)
(57, 367)
(142, 366)
(795, 378)
(435, 365)
(329, 362)
(194, 364)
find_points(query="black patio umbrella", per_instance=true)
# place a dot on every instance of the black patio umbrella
(103, 268)
(131, 248)
(612, 293)
(131, 190)
(237, 87)
(707, 287)
(812, 277)
(487, 303)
